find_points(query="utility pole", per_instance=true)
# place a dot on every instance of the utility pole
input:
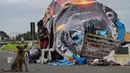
(32, 29)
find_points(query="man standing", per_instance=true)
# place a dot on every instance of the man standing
(42, 35)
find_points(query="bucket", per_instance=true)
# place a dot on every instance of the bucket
(9, 59)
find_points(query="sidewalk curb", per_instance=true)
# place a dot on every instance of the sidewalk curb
(7, 52)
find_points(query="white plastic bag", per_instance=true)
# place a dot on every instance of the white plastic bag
(9, 59)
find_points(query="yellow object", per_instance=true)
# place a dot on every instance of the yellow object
(84, 2)
(47, 11)
(47, 16)
(70, 56)
(63, 2)
(122, 59)
(127, 36)
(59, 28)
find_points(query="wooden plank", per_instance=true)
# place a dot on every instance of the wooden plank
(100, 41)
(99, 44)
(96, 52)
(106, 50)
(104, 47)
(89, 34)
(86, 55)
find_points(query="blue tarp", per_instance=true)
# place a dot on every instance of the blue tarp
(79, 60)
(62, 63)
(121, 30)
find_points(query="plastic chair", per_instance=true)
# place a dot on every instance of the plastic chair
(43, 59)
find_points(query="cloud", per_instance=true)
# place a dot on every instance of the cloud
(15, 1)
(116, 4)
(8, 3)
(16, 15)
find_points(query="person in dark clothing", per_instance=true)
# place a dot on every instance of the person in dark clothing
(43, 36)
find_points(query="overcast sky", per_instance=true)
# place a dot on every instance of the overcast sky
(16, 15)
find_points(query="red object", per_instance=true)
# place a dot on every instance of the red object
(44, 44)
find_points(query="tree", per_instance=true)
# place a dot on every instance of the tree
(26, 36)
(4, 35)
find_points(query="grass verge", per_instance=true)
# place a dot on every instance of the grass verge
(12, 47)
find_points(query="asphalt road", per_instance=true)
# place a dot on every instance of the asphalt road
(40, 68)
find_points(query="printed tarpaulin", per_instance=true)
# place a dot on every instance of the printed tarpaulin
(121, 30)
(72, 22)
(78, 20)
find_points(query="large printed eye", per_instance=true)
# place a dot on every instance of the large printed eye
(110, 15)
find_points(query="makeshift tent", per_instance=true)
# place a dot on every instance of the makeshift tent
(77, 22)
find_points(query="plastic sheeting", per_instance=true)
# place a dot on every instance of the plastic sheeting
(79, 60)
(121, 30)
(110, 57)
(34, 54)
(62, 63)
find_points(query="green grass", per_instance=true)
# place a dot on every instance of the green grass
(36, 45)
(12, 47)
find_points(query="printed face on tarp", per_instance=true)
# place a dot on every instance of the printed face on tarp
(72, 23)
